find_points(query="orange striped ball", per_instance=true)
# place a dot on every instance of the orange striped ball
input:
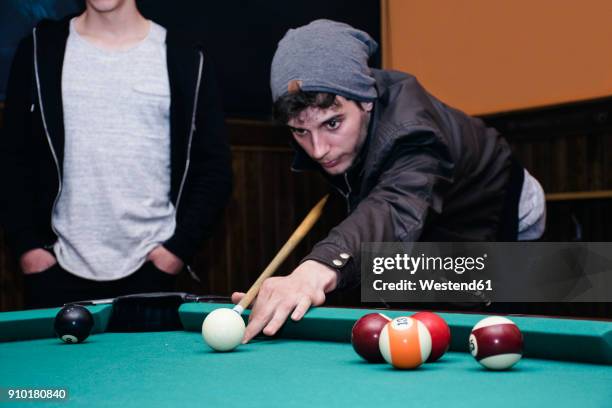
(405, 343)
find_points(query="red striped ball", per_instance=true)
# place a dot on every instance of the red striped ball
(496, 343)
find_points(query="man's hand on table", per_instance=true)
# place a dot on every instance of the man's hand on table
(283, 295)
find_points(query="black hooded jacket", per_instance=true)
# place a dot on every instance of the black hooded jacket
(32, 142)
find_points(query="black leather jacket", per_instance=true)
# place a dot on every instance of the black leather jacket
(428, 172)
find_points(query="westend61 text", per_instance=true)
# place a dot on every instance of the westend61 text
(431, 285)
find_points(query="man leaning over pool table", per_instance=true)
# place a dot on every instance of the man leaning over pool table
(410, 167)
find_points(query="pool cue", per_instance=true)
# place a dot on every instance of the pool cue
(284, 252)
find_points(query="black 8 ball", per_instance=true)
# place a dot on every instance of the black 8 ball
(73, 323)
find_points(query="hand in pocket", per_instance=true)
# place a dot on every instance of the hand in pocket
(36, 261)
(165, 260)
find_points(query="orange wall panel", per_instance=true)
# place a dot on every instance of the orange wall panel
(486, 56)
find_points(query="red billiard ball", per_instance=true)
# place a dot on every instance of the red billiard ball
(439, 331)
(364, 336)
(496, 343)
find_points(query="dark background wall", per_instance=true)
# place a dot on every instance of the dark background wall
(17, 17)
(240, 36)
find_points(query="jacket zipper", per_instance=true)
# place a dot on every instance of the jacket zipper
(44, 121)
(188, 161)
(350, 190)
(345, 195)
(191, 131)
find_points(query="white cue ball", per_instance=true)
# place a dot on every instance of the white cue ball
(223, 329)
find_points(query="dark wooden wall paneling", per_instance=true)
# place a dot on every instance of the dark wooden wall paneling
(267, 204)
(10, 283)
(566, 148)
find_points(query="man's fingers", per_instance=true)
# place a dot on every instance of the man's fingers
(253, 329)
(277, 321)
(258, 319)
(237, 297)
(301, 308)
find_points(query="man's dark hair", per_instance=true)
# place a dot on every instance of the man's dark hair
(289, 106)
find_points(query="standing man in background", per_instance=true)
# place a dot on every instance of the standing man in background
(115, 163)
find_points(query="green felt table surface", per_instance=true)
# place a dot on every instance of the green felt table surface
(311, 364)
